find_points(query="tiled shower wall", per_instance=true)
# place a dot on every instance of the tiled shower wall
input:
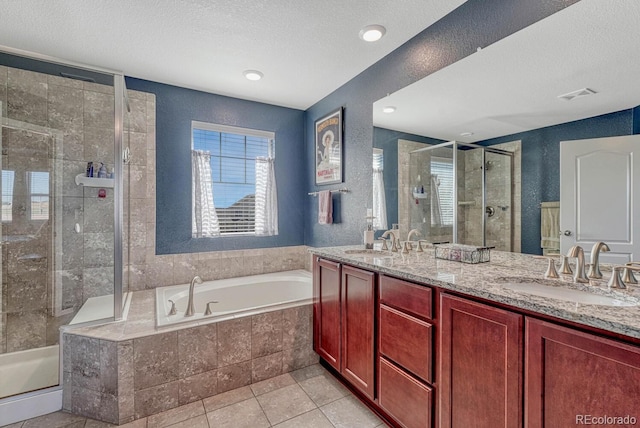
(503, 229)
(43, 288)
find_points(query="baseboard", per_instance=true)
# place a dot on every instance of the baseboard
(30, 405)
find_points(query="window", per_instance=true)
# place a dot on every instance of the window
(442, 169)
(233, 181)
(7, 195)
(38, 195)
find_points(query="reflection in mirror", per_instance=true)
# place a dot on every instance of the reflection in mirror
(506, 96)
(460, 193)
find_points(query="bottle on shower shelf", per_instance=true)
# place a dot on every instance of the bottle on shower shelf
(102, 172)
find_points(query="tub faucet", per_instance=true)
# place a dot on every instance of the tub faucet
(594, 269)
(577, 252)
(190, 307)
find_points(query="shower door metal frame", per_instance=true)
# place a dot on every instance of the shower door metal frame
(484, 149)
(119, 93)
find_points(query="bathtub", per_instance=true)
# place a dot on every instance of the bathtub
(235, 297)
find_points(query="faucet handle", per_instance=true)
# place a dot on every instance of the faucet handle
(384, 243)
(565, 267)
(551, 267)
(627, 275)
(616, 281)
(173, 310)
(208, 310)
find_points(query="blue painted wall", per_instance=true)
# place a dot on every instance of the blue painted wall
(387, 140)
(636, 120)
(476, 23)
(175, 109)
(541, 163)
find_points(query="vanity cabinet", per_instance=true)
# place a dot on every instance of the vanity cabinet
(480, 374)
(492, 367)
(326, 311)
(405, 362)
(572, 375)
(344, 311)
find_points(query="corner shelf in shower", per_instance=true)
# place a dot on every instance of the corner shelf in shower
(419, 195)
(82, 180)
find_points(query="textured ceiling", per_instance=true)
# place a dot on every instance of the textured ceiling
(305, 49)
(512, 86)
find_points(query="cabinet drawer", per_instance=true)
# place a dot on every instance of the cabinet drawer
(403, 397)
(407, 341)
(406, 296)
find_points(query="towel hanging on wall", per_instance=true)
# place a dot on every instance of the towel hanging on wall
(325, 207)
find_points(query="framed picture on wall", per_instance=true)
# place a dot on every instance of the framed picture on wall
(329, 148)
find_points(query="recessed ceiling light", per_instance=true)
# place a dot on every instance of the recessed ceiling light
(372, 33)
(253, 74)
(466, 134)
(389, 109)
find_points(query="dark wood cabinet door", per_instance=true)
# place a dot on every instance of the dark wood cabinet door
(404, 397)
(358, 310)
(571, 376)
(326, 311)
(480, 373)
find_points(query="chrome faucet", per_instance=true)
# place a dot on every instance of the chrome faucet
(190, 307)
(577, 252)
(594, 269)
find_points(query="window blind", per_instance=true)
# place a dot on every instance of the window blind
(443, 169)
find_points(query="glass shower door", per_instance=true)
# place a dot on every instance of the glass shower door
(499, 200)
(58, 234)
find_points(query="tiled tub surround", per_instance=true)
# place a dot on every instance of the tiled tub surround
(487, 280)
(128, 370)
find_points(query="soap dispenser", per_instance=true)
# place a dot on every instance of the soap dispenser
(368, 233)
(368, 237)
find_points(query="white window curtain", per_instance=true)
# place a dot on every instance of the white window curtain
(204, 217)
(436, 209)
(266, 197)
(379, 200)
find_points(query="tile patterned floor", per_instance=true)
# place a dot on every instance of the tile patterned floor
(306, 398)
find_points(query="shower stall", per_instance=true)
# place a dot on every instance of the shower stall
(62, 246)
(462, 193)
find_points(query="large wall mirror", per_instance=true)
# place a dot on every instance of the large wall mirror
(571, 76)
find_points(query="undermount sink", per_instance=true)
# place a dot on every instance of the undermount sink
(563, 291)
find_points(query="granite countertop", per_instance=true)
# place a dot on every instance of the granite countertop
(488, 280)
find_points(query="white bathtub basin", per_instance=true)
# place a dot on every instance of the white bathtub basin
(235, 296)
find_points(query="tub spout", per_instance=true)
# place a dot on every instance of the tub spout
(190, 307)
